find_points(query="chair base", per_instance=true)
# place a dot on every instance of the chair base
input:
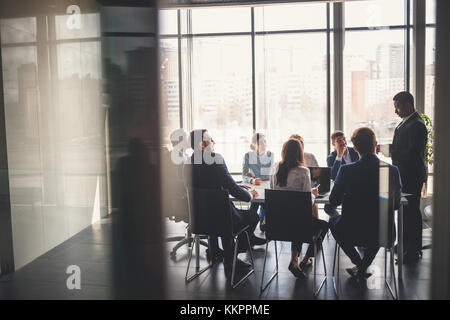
(188, 278)
(263, 287)
(233, 274)
(336, 279)
(315, 292)
(181, 242)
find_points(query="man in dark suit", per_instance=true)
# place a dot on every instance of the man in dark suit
(408, 154)
(341, 155)
(357, 187)
(209, 171)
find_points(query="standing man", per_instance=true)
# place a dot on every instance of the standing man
(408, 154)
(341, 155)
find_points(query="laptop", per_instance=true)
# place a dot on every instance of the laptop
(321, 176)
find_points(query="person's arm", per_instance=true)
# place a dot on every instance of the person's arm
(334, 163)
(306, 178)
(396, 186)
(273, 172)
(267, 169)
(416, 143)
(229, 183)
(314, 160)
(246, 169)
(337, 193)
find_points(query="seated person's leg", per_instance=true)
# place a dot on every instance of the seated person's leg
(228, 247)
(214, 252)
(293, 264)
(320, 229)
(330, 210)
(262, 218)
(338, 235)
(369, 255)
(249, 218)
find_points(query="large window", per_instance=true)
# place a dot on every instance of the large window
(270, 69)
(374, 65)
(430, 56)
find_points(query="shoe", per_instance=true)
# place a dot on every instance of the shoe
(255, 241)
(353, 272)
(305, 266)
(262, 226)
(296, 271)
(240, 265)
(411, 258)
(358, 274)
(217, 256)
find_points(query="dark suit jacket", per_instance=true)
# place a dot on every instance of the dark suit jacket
(357, 188)
(217, 176)
(335, 165)
(408, 149)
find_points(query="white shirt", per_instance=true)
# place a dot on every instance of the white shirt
(298, 179)
(346, 157)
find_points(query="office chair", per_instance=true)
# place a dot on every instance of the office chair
(289, 218)
(179, 212)
(210, 215)
(177, 209)
(366, 231)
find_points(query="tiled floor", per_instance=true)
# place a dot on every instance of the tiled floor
(91, 250)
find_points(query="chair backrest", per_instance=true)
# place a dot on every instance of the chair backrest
(369, 220)
(210, 212)
(288, 215)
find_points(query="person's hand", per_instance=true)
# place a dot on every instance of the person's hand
(341, 149)
(248, 174)
(254, 193)
(257, 181)
(245, 187)
(315, 191)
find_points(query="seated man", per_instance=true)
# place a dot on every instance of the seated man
(341, 155)
(209, 171)
(358, 184)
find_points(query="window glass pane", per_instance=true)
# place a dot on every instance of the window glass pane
(374, 13)
(170, 102)
(373, 74)
(430, 63)
(89, 26)
(168, 22)
(291, 90)
(290, 17)
(222, 94)
(18, 30)
(217, 20)
(430, 11)
(127, 19)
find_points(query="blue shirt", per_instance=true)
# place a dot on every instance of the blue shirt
(258, 165)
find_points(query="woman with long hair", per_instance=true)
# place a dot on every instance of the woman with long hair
(292, 174)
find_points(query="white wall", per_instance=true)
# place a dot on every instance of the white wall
(54, 128)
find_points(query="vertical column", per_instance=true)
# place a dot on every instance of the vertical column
(338, 39)
(441, 188)
(6, 240)
(418, 70)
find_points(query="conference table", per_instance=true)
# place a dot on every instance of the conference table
(325, 200)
